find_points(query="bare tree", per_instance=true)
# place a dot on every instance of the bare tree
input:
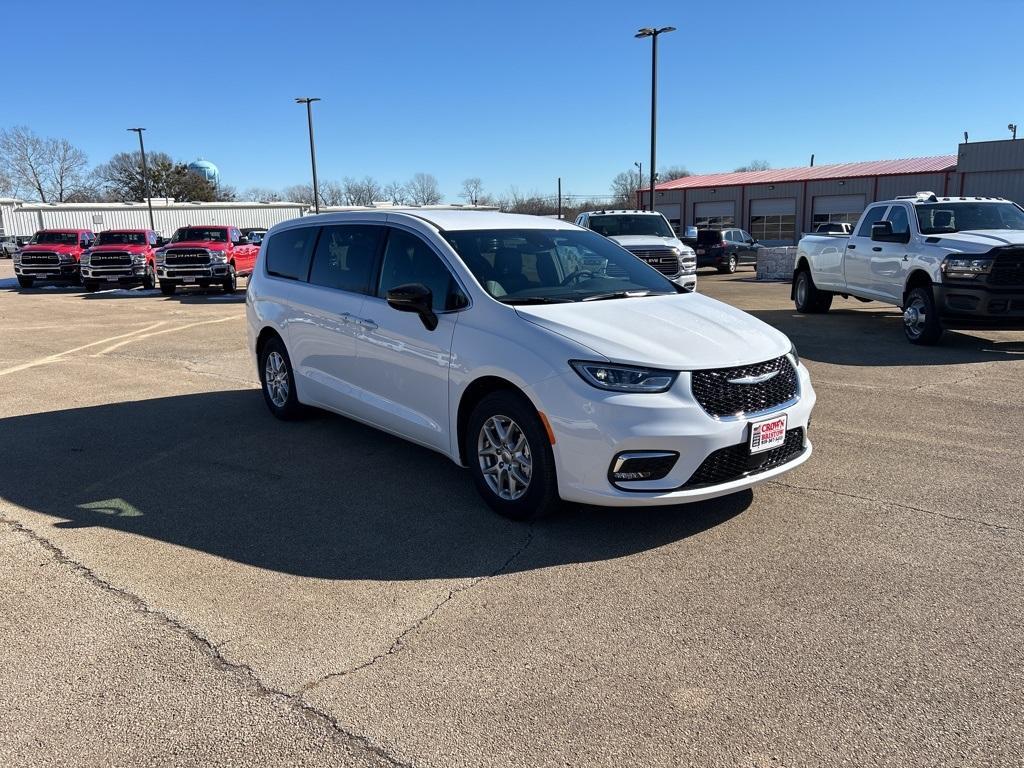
(624, 188)
(7, 188)
(423, 190)
(472, 190)
(121, 179)
(395, 193)
(263, 194)
(673, 172)
(754, 165)
(365, 191)
(299, 193)
(66, 166)
(24, 159)
(332, 193)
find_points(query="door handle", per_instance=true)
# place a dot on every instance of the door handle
(906, 257)
(367, 324)
(851, 246)
(876, 249)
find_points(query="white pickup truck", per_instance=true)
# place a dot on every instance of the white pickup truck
(953, 262)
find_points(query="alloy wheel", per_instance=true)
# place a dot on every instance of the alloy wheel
(505, 458)
(275, 376)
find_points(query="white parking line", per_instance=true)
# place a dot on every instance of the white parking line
(112, 347)
(53, 358)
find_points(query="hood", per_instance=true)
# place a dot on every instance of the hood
(646, 241)
(980, 240)
(218, 245)
(50, 247)
(118, 248)
(680, 332)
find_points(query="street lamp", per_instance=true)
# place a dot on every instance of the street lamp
(640, 175)
(308, 101)
(653, 34)
(145, 177)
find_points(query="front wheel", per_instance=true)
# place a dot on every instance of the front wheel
(149, 279)
(230, 284)
(510, 457)
(167, 287)
(808, 298)
(920, 318)
(91, 286)
(25, 282)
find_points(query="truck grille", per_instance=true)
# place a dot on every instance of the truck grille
(719, 397)
(39, 257)
(1008, 268)
(187, 257)
(664, 260)
(111, 259)
(736, 461)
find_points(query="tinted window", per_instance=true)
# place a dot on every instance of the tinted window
(898, 219)
(407, 259)
(618, 224)
(288, 253)
(873, 216)
(345, 257)
(709, 236)
(744, 236)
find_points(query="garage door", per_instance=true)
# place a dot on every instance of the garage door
(717, 215)
(828, 208)
(773, 222)
(671, 212)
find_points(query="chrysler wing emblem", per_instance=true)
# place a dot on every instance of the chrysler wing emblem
(754, 379)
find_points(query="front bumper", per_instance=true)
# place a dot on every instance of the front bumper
(592, 427)
(65, 271)
(121, 274)
(686, 281)
(979, 305)
(192, 273)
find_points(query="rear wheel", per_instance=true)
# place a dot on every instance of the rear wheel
(25, 282)
(230, 284)
(809, 299)
(920, 318)
(168, 287)
(510, 457)
(278, 380)
(91, 286)
(729, 267)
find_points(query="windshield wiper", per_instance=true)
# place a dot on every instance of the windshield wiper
(622, 295)
(533, 300)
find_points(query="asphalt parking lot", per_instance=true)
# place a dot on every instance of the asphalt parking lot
(188, 581)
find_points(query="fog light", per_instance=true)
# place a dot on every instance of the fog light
(641, 465)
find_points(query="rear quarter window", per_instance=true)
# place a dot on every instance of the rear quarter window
(288, 253)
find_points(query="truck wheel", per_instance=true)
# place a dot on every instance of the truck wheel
(509, 455)
(809, 300)
(25, 282)
(230, 284)
(729, 267)
(278, 381)
(921, 320)
(149, 279)
(91, 286)
(167, 287)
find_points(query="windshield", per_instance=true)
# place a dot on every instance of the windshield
(615, 225)
(200, 233)
(122, 238)
(533, 265)
(943, 218)
(58, 238)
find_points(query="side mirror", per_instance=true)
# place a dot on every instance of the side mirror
(242, 241)
(881, 231)
(414, 297)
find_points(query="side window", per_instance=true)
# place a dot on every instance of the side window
(151, 238)
(873, 216)
(899, 220)
(745, 236)
(235, 235)
(345, 257)
(407, 259)
(288, 253)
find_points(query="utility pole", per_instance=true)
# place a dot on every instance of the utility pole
(308, 101)
(145, 177)
(559, 198)
(640, 175)
(653, 33)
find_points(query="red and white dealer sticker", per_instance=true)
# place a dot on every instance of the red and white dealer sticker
(767, 434)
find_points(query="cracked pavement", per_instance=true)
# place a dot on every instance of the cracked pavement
(188, 581)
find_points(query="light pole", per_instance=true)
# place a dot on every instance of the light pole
(145, 177)
(653, 33)
(640, 174)
(308, 101)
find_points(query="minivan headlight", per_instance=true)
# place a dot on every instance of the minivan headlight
(624, 378)
(793, 355)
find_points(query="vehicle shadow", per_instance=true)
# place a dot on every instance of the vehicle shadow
(850, 336)
(324, 497)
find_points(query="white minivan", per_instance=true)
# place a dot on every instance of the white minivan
(542, 356)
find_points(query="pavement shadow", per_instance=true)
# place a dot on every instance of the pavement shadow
(325, 497)
(858, 337)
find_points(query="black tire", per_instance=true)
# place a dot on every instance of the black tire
(288, 407)
(541, 495)
(921, 321)
(91, 286)
(808, 298)
(25, 282)
(168, 287)
(730, 265)
(230, 284)
(149, 279)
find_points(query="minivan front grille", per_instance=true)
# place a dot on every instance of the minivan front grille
(745, 389)
(737, 462)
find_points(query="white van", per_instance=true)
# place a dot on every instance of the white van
(540, 355)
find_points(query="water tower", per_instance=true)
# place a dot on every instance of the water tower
(206, 169)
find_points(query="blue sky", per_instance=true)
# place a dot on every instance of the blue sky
(516, 93)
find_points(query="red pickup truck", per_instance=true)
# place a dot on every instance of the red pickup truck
(53, 254)
(205, 256)
(121, 257)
